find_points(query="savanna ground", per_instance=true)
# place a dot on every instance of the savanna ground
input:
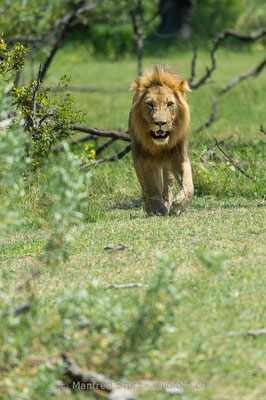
(215, 254)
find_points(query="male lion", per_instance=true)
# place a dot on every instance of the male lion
(159, 126)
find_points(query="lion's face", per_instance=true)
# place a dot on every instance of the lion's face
(159, 108)
(159, 114)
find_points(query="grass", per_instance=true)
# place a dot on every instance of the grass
(204, 270)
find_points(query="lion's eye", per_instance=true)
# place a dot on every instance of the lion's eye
(150, 105)
(169, 104)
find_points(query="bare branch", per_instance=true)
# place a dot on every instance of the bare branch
(65, 24)
(232, 162)
(105, 145)
(193, 66)
(212, 116)
(217, 42)
(102, 132)
(252, 73)
(80, 139)
(262, 130)
(114, 158)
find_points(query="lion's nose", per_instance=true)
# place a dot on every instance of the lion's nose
(160, 123)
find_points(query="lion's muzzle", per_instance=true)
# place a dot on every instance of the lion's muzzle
(160, 134)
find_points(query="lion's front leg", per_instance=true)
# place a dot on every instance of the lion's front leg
(183, 174)
(153, 180)
(168, 184)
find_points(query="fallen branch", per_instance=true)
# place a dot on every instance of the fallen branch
(253, 333)
(212, 116)
(262, 130)
(114, 158)
(217, 42)
(103, 132)
(78, 140)
(104, 146)
(232, 162)
(253, 73)
(83, 379)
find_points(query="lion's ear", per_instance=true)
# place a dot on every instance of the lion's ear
(136, 85)
(184, 87)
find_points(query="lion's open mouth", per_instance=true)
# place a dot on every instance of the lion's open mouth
(160, 134)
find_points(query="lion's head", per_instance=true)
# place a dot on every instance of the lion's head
(160, 114)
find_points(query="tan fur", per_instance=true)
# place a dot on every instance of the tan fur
(159, 127)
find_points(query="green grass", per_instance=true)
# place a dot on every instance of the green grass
(215, 254)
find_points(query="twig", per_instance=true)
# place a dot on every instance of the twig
(252, 73)
(49, 114)
(243, 333)
(34, 99)
(114, 158)
(126, 286)
(212, 116)
(102, 132)
(262, 130)
(233, 162)
(217, 42)
(98, 382)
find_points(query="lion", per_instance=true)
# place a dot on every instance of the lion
(159, 122)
